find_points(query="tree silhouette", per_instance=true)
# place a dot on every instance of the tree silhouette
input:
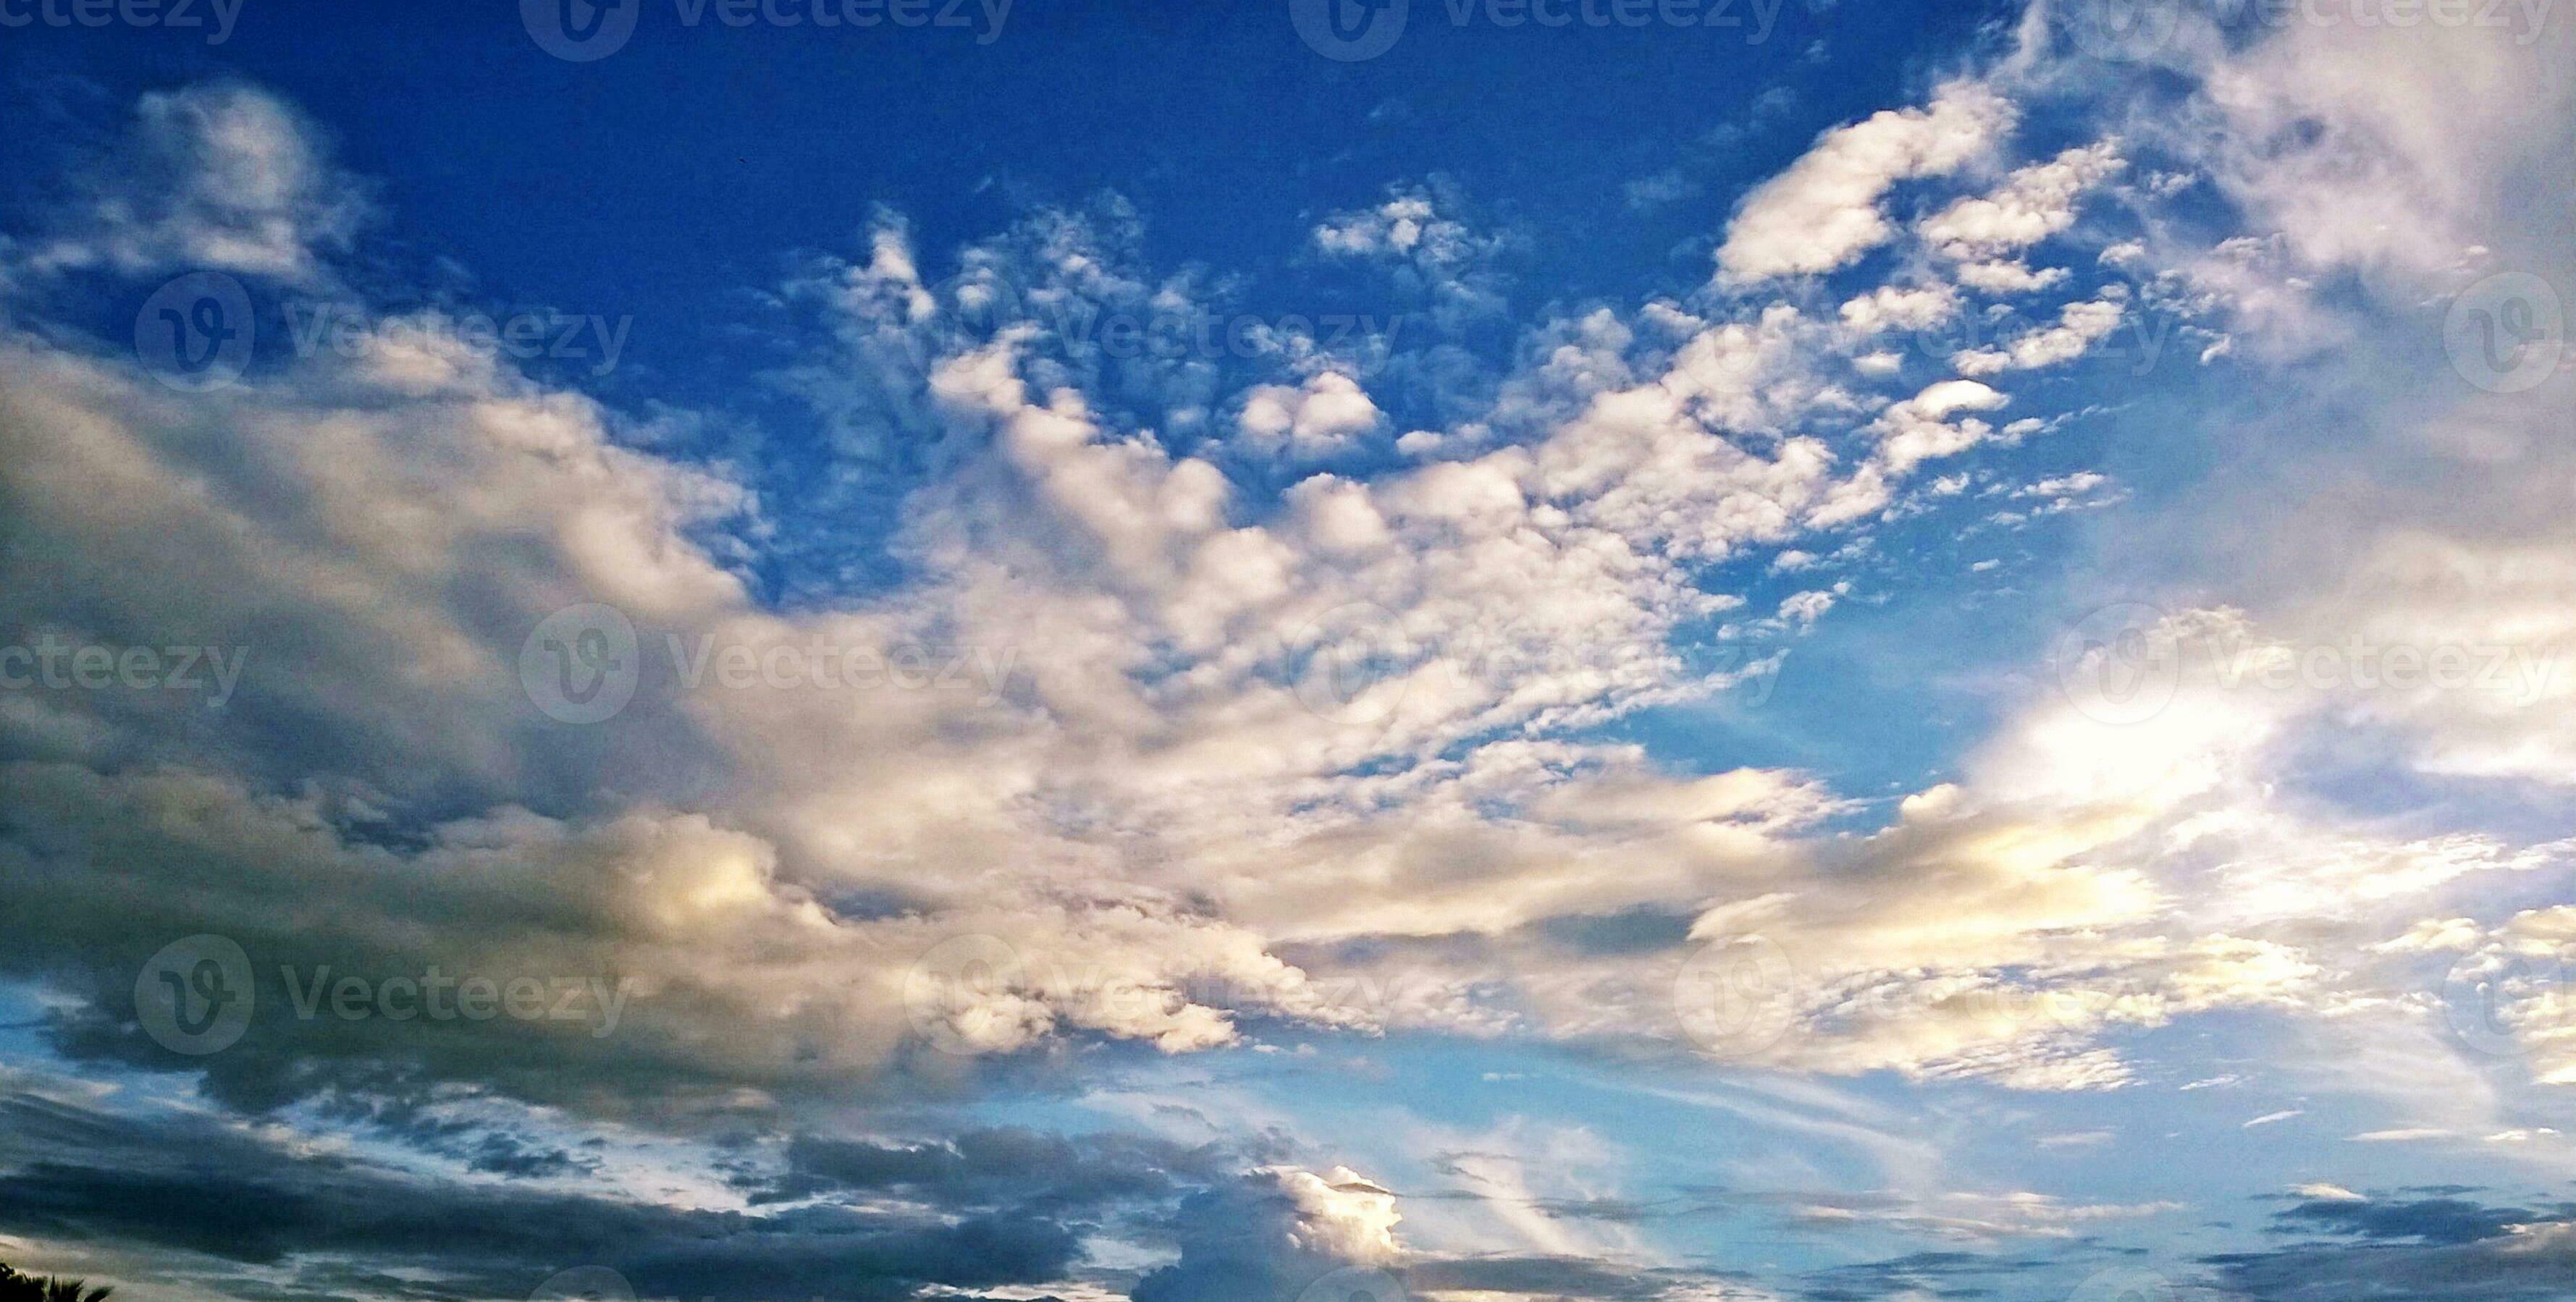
(16, 1287)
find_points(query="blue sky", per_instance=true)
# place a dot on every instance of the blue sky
(1747, 651)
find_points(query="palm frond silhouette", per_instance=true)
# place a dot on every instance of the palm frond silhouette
(16, 1286)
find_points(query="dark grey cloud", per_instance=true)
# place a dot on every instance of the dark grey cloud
(190, 1184)
(1544, 1276)
(2433, 1220)
(1939, 1274)
(2426, 1250)
(1273, 1235)
(1630, 931)
(996, 1168)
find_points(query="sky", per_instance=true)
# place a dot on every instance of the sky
(1289, 651)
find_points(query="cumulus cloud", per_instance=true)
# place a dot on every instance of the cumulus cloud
(1329, 758)
(1275, 1233)
(1316, 418)
(771, 868)
(2032, 204)
(2079, 326)
(1824, 211)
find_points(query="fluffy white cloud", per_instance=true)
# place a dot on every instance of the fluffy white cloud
(1316, 418)
(2032, 204)
(1319, 759)
(1824, 211)
(2079, 326)
(1894, 307)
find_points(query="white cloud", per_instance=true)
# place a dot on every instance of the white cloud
(219, 177)
(2007, 276)
(1893, 307)
(1314, 419)
(2079, 326)
(1824, 211)
(2032, 204)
